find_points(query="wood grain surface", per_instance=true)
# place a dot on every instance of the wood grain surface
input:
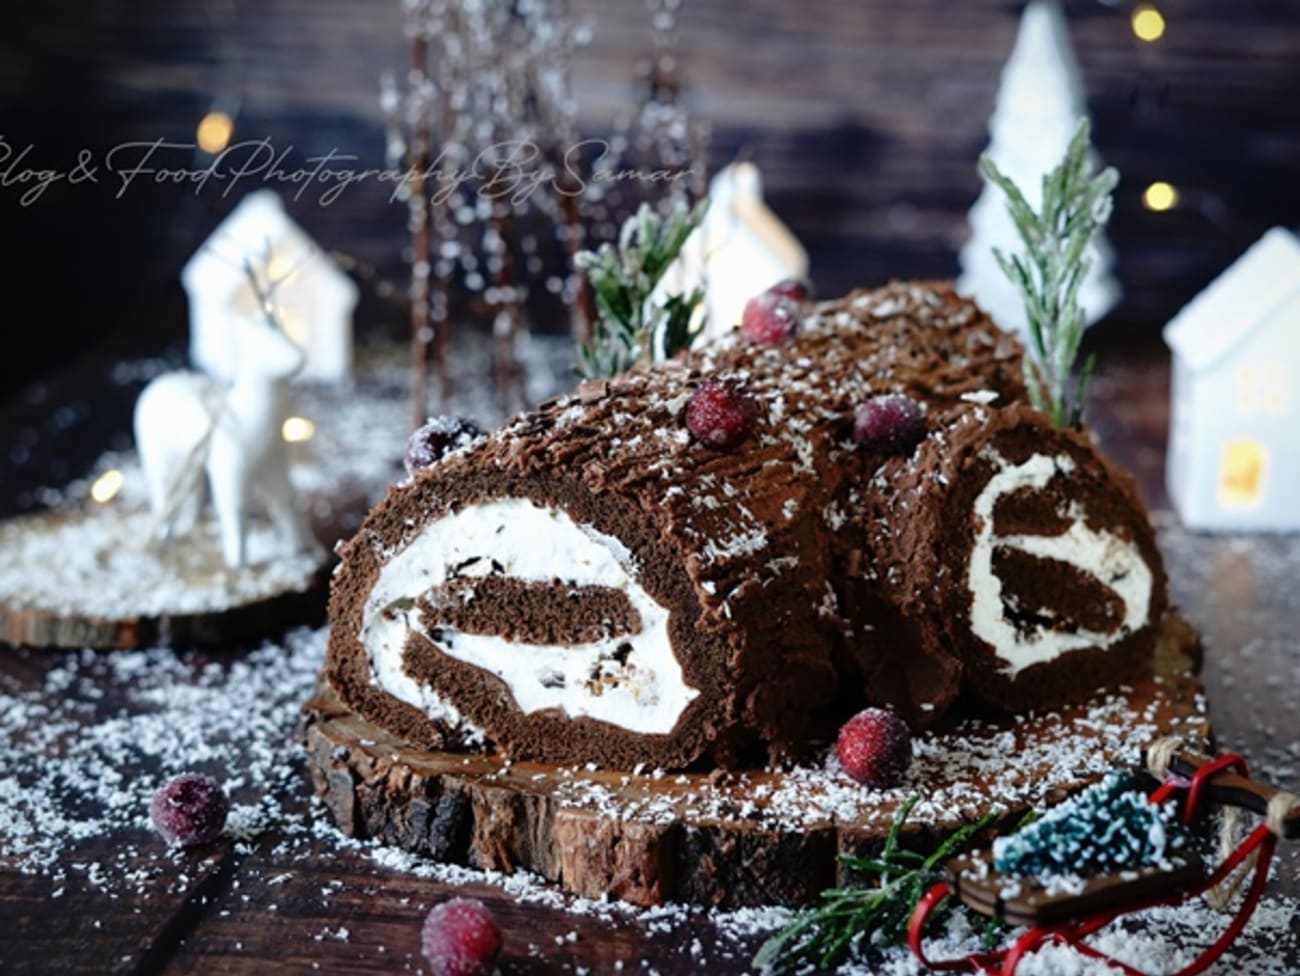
(231, 915)
(700, 838)
(63, 622)
(866, 118)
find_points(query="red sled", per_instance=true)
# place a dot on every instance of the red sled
(1069, 917)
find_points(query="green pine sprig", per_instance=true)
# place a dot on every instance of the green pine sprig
(628, 327)
(849, 920)
(1076, 205)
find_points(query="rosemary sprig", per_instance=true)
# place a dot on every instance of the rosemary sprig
(1076, 205)
(628, 326)
(850, 920)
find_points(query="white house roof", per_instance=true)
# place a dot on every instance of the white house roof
(258, 220)
(1256, 284)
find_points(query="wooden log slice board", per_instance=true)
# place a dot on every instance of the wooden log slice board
(760, 837)
(92, 577)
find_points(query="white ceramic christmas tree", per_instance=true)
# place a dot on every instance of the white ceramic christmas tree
(1039, 105)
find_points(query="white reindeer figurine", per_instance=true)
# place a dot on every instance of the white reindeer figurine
(186, 423)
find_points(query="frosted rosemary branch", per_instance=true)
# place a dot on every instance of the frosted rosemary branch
(1048, 273)
(848, 922)
(628, 326)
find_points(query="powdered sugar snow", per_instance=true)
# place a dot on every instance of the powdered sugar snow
(79, 763)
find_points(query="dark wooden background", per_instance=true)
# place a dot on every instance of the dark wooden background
(866, 117)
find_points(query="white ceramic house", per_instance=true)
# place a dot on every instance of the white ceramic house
(1234, 440)
(313, 298)
(741, 248)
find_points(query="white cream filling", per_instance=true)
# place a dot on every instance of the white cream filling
(644, 692)
(1115, 562)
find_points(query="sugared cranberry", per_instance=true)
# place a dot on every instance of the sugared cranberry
(460, 938)
(190, 810)
(890, 424)
(800, 289)
(875, 747)
(770, 319)
(437, 437)
(720, 413)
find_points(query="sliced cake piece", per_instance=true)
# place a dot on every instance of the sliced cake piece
(1026, 559)
(576, 609)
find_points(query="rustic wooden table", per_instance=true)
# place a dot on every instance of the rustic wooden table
(313, 906)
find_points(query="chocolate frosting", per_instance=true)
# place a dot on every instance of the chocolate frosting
(805, 576)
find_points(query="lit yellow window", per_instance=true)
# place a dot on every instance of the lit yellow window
(1262, 388)
(1248, 383)
(1241, 473)
(1276, 386)
(293, 322)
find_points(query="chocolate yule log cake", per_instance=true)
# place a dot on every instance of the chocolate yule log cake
(592, 583)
